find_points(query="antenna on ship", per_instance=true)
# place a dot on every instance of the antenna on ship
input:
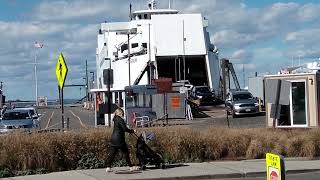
(169, 4)
(130, 11)
(152, 4)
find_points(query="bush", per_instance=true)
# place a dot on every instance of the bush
(5, 173)
(41, 153)
(90, 161)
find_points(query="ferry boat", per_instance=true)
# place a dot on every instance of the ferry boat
(156, 43)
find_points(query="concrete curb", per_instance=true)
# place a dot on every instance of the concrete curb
(232, 175)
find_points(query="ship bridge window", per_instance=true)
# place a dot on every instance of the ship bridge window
(134, 45)
(124, 47)
(139, 16)
(144, 45)
(145, 16)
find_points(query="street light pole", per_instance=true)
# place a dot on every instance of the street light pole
(37, 45)
(35, 76)
(129, 59)
(149, 52)
(109, 93)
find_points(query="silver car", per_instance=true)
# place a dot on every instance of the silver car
(241, 103)
(13, 120)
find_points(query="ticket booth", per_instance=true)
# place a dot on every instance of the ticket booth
(105, 106)
(292, 100)
(138, 102)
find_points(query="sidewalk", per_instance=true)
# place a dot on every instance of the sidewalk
(210, 170)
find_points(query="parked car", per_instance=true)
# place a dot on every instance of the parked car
(204, 93)
(241, 103)
(33, 112)
(17, 120)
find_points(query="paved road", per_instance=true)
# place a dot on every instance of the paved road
(306, 176)
(79, 118)
(210, 116)
(216, 117)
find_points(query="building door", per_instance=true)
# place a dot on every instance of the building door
(298, 103)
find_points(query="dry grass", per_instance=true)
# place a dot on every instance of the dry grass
(63, 151)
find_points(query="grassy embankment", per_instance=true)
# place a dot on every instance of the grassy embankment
(22, 154)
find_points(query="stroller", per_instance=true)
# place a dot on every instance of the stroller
(145, 154)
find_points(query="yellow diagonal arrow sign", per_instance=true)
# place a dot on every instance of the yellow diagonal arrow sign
(61, 70)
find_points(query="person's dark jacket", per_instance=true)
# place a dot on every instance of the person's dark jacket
(118, 134)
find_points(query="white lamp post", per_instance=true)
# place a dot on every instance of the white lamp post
(37, 45)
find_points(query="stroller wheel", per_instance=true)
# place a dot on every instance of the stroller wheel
(161, 166)
(143, 167)
(158, 166)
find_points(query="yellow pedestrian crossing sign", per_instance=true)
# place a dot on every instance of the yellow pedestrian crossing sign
(61, 71)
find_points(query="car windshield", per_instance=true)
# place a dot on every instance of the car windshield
(203, 90)
(15, 115)
(243, 96)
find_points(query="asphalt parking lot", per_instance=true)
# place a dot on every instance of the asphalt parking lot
(209, 116)
(215, 116)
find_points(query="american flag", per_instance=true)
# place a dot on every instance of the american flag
(38, 45)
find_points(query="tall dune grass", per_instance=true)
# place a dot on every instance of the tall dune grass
(65, 151)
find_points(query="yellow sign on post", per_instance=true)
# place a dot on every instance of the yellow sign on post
(275, 167)
(61, 71)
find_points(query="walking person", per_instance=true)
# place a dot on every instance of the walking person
(118, 140)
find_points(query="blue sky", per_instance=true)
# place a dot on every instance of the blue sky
(265, 35)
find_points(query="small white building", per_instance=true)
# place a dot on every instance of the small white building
(292, 98)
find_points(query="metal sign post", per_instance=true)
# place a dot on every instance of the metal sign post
(61, 74)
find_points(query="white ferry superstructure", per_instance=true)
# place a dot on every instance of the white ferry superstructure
(162, 43)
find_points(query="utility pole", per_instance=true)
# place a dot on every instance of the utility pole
(243, 76)
(1, 95)
(92, 84)
(87, 88)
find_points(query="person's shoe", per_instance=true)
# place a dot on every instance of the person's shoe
(108, 169)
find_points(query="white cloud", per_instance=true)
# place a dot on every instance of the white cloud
(27, 29)
(70, 26)
(232, 39)
(63, 10)
(304, 43)
(306, 37)
(309, 12)
(241, 56)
